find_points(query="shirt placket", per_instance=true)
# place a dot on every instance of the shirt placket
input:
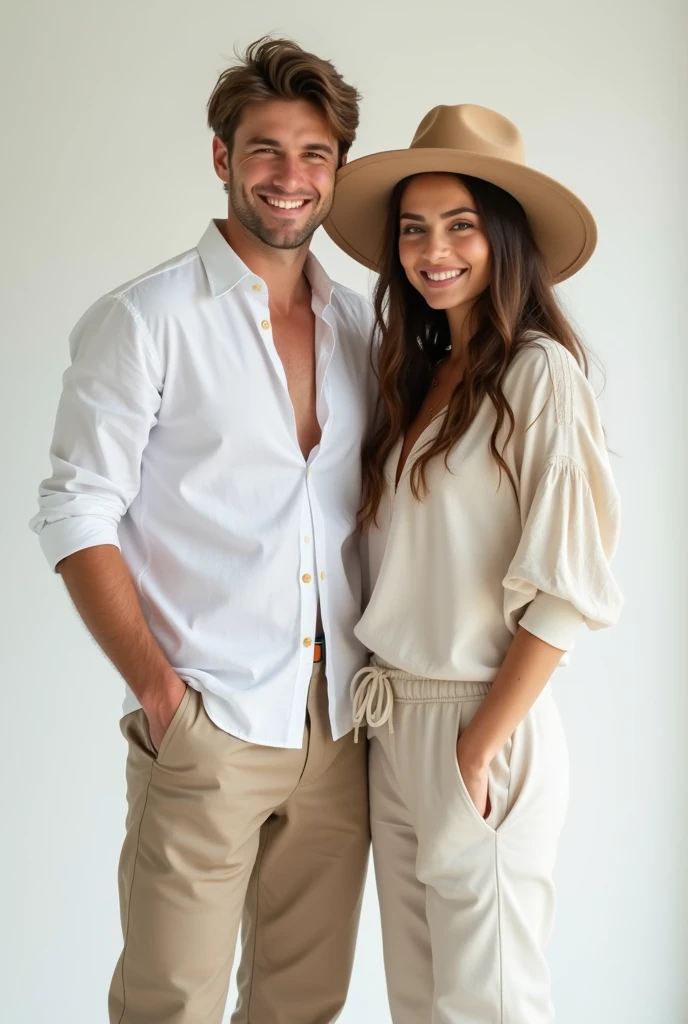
(313, 545)
(308, 579)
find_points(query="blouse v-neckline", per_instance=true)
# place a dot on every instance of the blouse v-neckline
(400, 471)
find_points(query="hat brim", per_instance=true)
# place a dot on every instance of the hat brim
(563, 227)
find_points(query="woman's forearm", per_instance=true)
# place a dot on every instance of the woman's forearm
(525, 672)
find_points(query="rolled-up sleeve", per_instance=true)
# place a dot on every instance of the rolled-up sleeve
(109, 403)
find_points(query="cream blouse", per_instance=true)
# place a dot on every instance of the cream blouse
(453, 575)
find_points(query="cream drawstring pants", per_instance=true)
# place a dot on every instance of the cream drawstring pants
(467, 903)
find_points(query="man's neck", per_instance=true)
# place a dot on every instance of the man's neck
(281, 269)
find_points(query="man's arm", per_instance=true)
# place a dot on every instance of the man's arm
(104, 595)
(110, 399)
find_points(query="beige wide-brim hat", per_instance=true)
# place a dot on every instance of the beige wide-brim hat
(463, 139)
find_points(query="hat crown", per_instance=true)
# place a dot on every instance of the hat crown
(470, 129)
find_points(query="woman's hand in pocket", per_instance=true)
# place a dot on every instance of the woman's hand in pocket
(475, 780)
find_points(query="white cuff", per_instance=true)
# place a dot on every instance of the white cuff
(65, 536)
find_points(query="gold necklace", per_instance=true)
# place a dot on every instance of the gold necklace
(435, 380)
(432, 410)
(433, 384)
(435, 405)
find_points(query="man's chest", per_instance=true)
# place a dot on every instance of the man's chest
(244, 388)
(294, 340)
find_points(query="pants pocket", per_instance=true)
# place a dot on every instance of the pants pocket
(499, 775)
(540, 769)
(537, 792)
(173, 727)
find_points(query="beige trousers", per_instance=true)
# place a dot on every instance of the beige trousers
(467, 903)
(217, 828)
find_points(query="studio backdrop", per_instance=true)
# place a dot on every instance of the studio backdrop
(106, 171)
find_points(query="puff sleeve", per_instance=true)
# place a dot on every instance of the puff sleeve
(560, 574)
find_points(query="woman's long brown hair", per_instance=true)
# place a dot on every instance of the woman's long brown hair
(413, 338)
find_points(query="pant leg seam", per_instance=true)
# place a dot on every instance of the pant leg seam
(131, 893)
(259, 864)
(499, 932)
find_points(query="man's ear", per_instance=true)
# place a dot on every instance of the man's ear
(220, 159)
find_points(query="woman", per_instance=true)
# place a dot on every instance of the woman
(490, 516)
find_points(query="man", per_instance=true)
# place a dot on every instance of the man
(202, 514)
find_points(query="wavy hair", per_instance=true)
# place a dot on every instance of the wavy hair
(279, 69)
(413, 338)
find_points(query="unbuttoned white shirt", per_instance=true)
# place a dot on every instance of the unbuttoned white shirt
(176, 442)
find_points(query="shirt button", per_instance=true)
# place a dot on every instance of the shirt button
(265, 324)
(307, 578)
(256, 287)
(322, 575)
(306, 540)
(307, 642)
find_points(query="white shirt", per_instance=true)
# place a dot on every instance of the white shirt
(175, 441)
(454, 575)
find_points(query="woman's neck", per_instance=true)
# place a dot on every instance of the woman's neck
(459, 319)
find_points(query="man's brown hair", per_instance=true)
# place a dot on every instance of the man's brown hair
(279, 69)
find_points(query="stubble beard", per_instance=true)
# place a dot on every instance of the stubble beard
(278, 238)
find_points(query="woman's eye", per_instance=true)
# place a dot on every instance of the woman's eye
(411, 229)
(461, 225)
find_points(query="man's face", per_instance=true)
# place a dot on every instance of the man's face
(281, 171)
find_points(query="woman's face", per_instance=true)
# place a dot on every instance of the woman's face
(442, 243)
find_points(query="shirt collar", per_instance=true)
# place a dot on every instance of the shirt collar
(222, 265)
(225, 269)
(320, 283)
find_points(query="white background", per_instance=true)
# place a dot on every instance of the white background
(106, 172)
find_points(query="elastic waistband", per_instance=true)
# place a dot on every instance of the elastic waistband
(410, 689)
(376, 688)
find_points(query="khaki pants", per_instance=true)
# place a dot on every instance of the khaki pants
(217, 828)
(467, 904)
